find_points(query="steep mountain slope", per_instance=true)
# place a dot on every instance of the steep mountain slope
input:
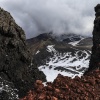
(17, 75)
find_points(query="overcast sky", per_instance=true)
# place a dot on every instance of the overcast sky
(58, 16)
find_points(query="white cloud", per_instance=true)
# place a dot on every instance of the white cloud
(59, 16)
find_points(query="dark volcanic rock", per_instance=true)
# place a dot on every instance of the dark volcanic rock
(15, 59)
(95, 57)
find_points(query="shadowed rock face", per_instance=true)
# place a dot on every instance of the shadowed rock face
(15, 59)
(95, 57)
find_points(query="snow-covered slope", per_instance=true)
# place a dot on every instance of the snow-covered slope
(66, 63)
(63, 54)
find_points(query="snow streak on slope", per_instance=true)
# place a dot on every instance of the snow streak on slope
(66, 63)
(74, 43)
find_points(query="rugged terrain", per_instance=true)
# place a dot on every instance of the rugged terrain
(65, 88)
(17, 74)
(23, 64)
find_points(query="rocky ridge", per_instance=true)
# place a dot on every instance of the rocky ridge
(16, 69)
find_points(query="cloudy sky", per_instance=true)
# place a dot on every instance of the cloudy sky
(58, 16)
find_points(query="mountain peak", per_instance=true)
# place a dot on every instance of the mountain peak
(45, 36)
(8, 27)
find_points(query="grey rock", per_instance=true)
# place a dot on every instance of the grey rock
(15, 58)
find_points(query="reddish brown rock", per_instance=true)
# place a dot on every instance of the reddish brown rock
(39, 82)
(87, 88)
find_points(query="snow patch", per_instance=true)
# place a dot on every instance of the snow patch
(37, 52)
(75, 42)
(52, 74)
(5, 86)
(76, 63)
(50, 48)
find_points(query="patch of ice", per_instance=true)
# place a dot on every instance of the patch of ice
(74, 43)
(37, 52)
(44, 83)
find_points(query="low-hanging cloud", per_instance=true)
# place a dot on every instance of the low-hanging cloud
(58, 16)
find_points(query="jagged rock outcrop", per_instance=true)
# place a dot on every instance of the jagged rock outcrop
(95, 57)
(15, 59)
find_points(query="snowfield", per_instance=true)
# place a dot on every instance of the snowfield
(72, 65)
